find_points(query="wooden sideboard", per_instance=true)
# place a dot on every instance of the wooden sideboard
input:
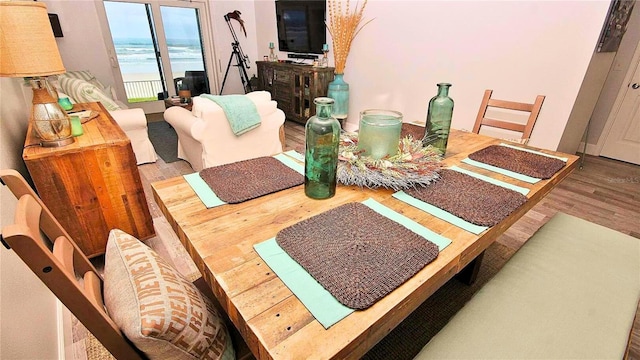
(92, 185)
(294, 86)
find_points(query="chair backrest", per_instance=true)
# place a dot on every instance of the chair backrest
(60, 264)
(526, 128)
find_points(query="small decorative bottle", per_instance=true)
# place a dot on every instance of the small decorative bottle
(338, 90)
(322, 134)
(324, 62)
(272, 54)
(184, 93)
(436, 132)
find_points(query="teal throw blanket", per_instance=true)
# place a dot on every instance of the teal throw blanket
(241, 112)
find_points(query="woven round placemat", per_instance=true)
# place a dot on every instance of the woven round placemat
(522, 162)
(356, 254)
(248, 179)
(469, 198)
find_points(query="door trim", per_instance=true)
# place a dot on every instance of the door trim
(624, 88)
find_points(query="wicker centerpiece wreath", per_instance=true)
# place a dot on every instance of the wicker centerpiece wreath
(412, 165)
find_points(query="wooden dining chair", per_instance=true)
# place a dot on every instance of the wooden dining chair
(50, 252)
(526, 128)
(58, 263)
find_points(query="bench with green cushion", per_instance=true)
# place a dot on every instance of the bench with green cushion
(570, 292)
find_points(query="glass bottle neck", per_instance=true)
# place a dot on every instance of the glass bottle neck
(324, 110)
(443, 89)
(324, 107)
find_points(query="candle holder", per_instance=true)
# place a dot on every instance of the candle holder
(324, 62)
(379, 133)
(272, 55)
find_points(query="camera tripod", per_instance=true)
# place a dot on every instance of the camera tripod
(242, 60)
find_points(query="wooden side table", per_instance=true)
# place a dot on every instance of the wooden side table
(92, 185)
(294, 87)
(176, 102)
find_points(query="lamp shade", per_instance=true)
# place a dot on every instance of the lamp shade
(27, 45)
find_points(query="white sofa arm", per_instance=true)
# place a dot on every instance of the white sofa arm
(134, 124)
(184, 122)
(130, 119)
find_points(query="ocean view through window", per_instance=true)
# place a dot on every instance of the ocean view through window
(138, 61)
(152, 65)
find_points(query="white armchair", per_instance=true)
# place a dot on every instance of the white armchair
(205, 138)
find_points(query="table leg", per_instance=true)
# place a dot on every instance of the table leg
(469, 274)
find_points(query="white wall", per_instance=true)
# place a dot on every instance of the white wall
(28, 321)
(266, 28)
(517, 48)
(81, 47)
(223, 39)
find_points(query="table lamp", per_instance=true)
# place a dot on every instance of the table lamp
(28, 49)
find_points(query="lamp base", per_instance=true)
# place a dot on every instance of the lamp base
(51, 124)
(57, 142)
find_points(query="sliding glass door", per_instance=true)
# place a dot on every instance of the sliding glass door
(158, 47)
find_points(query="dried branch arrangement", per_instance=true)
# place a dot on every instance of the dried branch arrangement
(343, 26)
(412, 166)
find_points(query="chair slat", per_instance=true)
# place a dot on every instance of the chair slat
(63, 251)
(503, 124)
(510, 105)
(24, 239)
(49, 224)
(526, 129)
(93, 289)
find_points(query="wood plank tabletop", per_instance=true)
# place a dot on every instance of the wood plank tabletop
(273, 322)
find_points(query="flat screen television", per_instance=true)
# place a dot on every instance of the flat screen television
(301, 27)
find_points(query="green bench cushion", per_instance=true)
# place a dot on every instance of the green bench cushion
(570, 292)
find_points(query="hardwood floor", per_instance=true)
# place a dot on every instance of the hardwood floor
(605, 192)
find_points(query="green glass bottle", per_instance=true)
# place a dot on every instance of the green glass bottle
(322, 134)
(436, 132)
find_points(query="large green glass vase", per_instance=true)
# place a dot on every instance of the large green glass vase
(436, 132)
(338, 90)
(322, 133)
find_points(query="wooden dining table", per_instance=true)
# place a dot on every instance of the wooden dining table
(272, 320)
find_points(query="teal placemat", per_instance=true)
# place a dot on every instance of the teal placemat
(520, 189)
(435, 238)
(515, 175)
(322, 305)
(210, 199)
(204, 192)
(290, 163)
(439, 213)
(296, 155)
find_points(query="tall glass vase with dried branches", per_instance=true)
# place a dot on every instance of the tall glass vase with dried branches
(344, 25)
